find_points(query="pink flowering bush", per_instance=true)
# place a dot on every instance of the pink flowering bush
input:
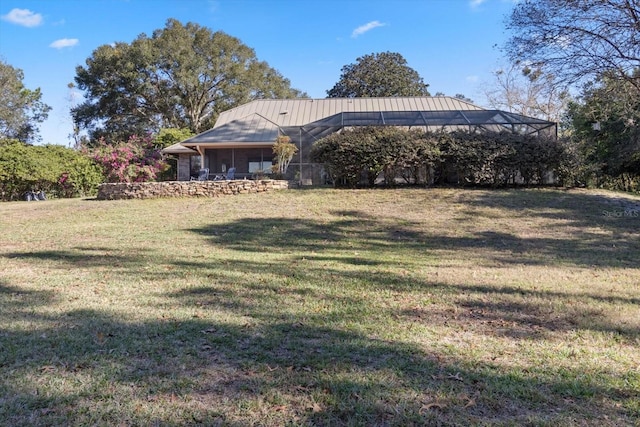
(136, 160)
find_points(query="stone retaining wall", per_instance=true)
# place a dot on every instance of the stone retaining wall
(151, 190)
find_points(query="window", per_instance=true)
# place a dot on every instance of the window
(263, 165)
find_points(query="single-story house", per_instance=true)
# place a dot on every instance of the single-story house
(243, 137)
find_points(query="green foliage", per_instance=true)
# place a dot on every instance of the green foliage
(135, 160)
(82, 178)
(596, 43)
(492, 158)
(606, 130)
(365, 152)
(181, 77)
(489, 158)
(379, 74)
(54, 169)
(21, 109)
(342, 155)
(284, 150)
(170, 136)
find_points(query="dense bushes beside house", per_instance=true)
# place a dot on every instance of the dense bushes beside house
(136, 160)
(64, 172)
(53, 169)
(364, 156)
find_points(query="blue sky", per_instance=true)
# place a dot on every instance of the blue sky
(450, 43)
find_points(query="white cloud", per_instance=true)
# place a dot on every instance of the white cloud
(472, 79)
(366, 27)
(23, 17)
(62, 43)
(476, 3)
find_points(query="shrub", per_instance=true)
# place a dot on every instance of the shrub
(283, 150)
(474, 158)
(339, 153)
(135, 160)
(361, 154)
(54, 169)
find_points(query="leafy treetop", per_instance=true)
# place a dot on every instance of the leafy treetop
(21, 109)
(379, 75)
(182, 76)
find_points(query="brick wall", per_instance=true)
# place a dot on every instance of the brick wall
(150, 190)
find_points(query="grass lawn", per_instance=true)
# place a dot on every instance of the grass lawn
(323, 307)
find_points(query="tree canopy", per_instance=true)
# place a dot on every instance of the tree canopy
(283, 151)
(182, 76)
(379, 74)
(606, 123)
(577, 40)
(594, 44)
(21, 109)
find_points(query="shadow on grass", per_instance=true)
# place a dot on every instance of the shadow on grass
(178, 372)
(140, 263)
(594, 240)
(493, 310)
(272, 367)
(13, 299)
(79, 257)
(353, 231)
(498, 310)
(614, 213)
(306, 368)
(528, 294)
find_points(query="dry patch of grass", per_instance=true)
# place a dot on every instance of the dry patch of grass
(323, 307)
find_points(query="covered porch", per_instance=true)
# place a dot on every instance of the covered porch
(249, 162)
(230, 146)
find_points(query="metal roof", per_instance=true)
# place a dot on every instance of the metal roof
(299, 112)
(261, 121)
(177, 148)
(244, 131)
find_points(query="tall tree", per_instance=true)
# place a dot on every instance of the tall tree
(379, 74)
(182, 76)
(21, 109)
(518, 88)
(607, 125)
(577, 40)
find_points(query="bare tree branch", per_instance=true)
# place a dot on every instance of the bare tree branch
(577, 40)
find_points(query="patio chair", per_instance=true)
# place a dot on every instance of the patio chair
(231, 173)
(203, 175)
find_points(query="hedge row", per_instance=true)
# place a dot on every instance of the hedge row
(54, 169)
(369, 155)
